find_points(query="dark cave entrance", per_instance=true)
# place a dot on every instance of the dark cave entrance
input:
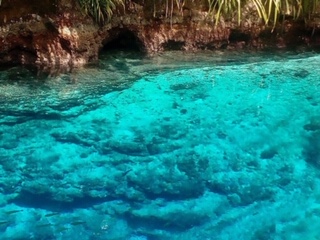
(123, 40)
(173, 45)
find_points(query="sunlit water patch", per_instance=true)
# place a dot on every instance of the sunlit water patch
(165, 147)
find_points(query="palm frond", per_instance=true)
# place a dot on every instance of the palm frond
(220, 8)
(100, 10)
(267, 10)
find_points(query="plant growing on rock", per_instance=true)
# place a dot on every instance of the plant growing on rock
(268, 10)
(100, 10)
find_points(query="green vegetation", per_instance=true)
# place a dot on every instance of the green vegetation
(100, 10)
(269, 11)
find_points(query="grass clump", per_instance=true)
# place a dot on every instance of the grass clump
(100, 10)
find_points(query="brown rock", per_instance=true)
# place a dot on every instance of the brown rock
(61, 36)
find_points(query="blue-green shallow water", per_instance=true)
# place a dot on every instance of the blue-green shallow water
(178, 146)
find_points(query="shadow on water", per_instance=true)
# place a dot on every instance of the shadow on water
(45, 201)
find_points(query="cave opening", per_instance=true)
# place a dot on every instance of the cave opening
(121, 50)
(123, 40)
(173, 45)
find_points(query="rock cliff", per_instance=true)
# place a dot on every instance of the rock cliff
(58, 34)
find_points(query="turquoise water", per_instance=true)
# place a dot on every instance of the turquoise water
(212, 146)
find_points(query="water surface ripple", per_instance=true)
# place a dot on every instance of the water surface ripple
(175, 146)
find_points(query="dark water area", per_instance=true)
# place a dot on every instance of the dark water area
(211, 145)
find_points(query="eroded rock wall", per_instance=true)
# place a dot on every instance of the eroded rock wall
(60, 37)
(58, 34)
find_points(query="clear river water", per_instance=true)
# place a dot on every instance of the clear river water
(177, 146)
